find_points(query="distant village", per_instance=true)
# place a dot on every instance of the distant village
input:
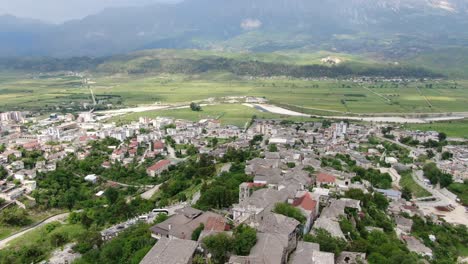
(302, 165)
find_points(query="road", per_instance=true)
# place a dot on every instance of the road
(129, 185)
(60, 217)
(457, 216)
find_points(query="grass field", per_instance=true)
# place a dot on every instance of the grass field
(452, 128)
(35, 216)
(228, 114)
(416, 190)
(343, 96)
(42, 234)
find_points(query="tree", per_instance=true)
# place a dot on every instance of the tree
(272, 148)
(447, 155)
(219, 246)
(214, 142)
(161, 217)
(196, 233)
(245, 239)
(191, 150)
(406, 193)
(381, 201)
(442, 136)
(289, 211)
(58, 239)
(14, 216)
(88, 241)
(195, 107)
(3, 173)
(111, 195)
(430, 154)
(435, 176)
(327, 242)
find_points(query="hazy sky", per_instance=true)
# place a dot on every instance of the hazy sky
(57, 11)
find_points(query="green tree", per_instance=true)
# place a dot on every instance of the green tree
(14, 216)
(446, 155)
(3, 173)
(327, 242)
(160, 218)
(289, 211)
(219, 246)
(196, 233)
(88, 241)
(442, 136)
(111, 195)
(195, 107)
(381, 201)
(58, 239)
(272, 148)
(430, 154)
(406, 193)
(245, 239)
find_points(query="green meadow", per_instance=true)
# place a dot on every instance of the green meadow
(229, 114)
(458, 128)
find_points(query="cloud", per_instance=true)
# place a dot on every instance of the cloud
(250, 24)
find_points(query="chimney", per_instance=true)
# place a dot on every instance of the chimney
(169, 227)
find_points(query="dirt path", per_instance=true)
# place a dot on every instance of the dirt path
(148, 194)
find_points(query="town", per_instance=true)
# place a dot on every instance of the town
(276, 191)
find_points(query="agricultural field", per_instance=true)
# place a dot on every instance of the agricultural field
(458, 129)
(325, 95)
(229, 114)
(173, 77)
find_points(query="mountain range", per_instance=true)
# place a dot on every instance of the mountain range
(390, 28)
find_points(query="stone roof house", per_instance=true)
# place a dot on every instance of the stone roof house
(171, 251)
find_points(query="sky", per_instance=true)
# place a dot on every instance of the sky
(58, 11)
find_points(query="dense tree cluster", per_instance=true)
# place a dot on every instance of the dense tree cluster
(223, 192)
(326, 241)
(374, 176)
(185, 175)
(129, 247)
(450, 241)
(380, 247)
(266, 69)
(436, 176)
(14, 216)
(222, 245)
(39, 246)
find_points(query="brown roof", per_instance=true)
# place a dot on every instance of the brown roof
(306, 202)
(216, 224)
(323, 177)
(160, 164)
(158, 145)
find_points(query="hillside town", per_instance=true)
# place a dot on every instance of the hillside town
(275, 192)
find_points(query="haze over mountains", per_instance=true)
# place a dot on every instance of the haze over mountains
(392, 28)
